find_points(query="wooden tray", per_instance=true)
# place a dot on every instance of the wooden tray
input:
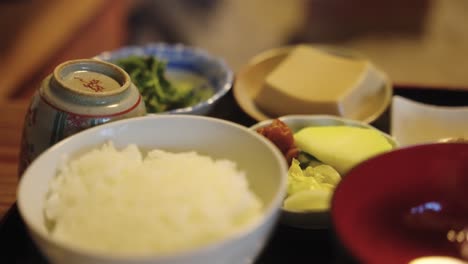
(287, 245)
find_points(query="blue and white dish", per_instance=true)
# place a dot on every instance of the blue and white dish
(184, 62)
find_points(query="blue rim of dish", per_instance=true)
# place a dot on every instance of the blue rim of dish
(155, 49)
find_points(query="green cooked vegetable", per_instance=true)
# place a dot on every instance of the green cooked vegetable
(160, 94)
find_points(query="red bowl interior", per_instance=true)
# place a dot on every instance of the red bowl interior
(401, 205)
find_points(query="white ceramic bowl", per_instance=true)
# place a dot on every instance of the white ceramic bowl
(263, 163)
(314, 219)
(414, 123)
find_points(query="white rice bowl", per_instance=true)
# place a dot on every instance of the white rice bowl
(261, 161)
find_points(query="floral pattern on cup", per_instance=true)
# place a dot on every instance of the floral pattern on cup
(55, 113)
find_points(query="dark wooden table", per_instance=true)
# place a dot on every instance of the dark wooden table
(11, 123)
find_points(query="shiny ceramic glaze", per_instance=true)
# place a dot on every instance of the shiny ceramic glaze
(414, 123)
(406, 204)
(65, 104)
(262, 162)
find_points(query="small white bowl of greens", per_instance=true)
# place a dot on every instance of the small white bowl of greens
(320, 150)
(174, 79)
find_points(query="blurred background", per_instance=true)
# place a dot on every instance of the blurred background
(417, 42)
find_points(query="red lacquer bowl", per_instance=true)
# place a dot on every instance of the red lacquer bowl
(405, 204)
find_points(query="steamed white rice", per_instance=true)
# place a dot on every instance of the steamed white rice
(117, 201)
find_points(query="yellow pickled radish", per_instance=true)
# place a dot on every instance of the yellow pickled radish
(341, 147)
(309, 200)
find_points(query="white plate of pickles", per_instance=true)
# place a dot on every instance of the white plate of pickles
(320, 150)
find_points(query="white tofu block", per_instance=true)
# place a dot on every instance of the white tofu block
(312, 81)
